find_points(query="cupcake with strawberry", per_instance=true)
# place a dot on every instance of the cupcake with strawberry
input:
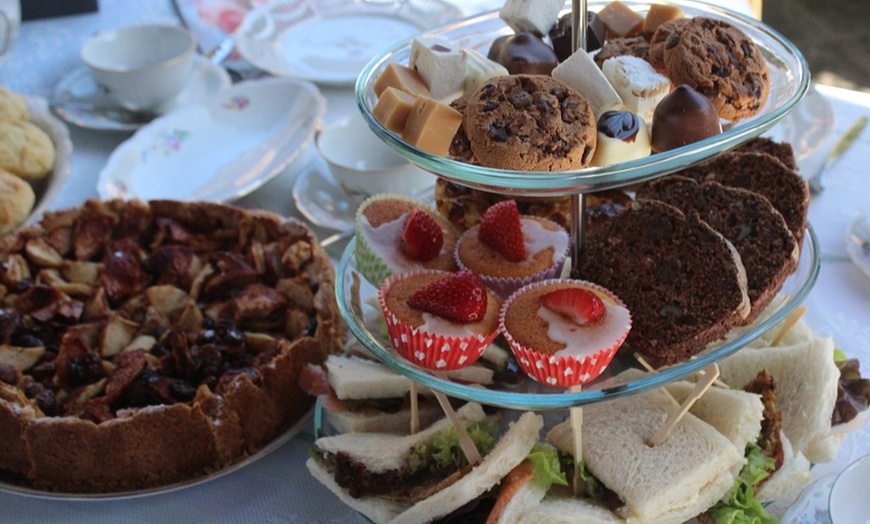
(564, 332)
(508, 250)
(439, 320)
(396, 234)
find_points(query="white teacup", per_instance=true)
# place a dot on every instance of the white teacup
(10, 19)
(362, 164)
(141, 67)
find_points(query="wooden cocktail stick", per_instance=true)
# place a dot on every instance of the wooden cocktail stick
(576, 415)
(701, 387)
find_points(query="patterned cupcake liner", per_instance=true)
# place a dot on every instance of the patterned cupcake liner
(426, 349)
(504, 287)
(374, 268)
(562, 371)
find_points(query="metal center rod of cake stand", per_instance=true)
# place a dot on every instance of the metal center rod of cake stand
(578, 202)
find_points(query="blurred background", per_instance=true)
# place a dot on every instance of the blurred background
(834, 36)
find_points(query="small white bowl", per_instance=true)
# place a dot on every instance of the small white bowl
(849, 503)
(363, 165)
(141, 67)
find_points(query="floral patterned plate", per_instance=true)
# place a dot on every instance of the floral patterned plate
(330, 41)
(812, 505)
(219, 149)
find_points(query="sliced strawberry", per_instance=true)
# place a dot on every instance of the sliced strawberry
(458, 297)
(501, 230)
(422, 237)
(578, 305)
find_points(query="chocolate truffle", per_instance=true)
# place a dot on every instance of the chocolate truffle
(683, 117)
(523, 54)
(560, 35)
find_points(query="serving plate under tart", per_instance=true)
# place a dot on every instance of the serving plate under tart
(789, 81)
(365, 320)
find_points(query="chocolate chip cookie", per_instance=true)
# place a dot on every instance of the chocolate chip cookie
(721, 62)
(658, 39)
(631, 46)
(530, 123)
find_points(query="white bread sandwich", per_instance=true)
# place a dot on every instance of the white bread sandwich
(361, 395)
(806, 378)
(416, 478)
(668, 483)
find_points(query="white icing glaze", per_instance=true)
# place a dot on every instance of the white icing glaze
(537, 238)
(584, 341)
(435, 324)
(384, 242)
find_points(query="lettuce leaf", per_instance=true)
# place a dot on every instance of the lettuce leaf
(546, 462)
(442, 451)
(839, 355)
(742, 507)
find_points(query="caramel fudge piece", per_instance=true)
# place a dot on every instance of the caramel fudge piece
(621, 20)
(402, 78)
(431, 125)
(657, 15)
(393, 108)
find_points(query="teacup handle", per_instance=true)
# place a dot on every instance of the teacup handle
(5, 32)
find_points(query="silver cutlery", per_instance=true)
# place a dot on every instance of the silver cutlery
(817, 182)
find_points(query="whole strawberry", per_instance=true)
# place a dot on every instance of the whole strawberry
(458, 297)
(500, 229)
(422, 237)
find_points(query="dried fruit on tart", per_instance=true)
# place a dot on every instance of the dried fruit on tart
(165, 339)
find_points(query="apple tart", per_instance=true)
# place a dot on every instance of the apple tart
(147, 344)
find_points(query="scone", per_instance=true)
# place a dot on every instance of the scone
(719, 61)
(13, 108)
(530, 123)
(25, 150)
(16, 201)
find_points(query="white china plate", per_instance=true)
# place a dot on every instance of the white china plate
(16, 488)
(219, 149)
(330, 41)
(78, 100)
(47, 188)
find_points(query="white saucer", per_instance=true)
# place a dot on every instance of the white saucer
(331, 42)
(220, 148)
(78, 100)
(812, 504)
(808, 126)
(321, 200)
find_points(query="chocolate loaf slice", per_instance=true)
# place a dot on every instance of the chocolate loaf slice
(683, 282)
(782, 151)
(767, 176)
(748, 220)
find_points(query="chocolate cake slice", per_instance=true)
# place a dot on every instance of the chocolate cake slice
(748, 220)
(767, 176)
(683, 282)
(782, 151)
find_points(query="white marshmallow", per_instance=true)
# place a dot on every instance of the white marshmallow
(441, 65)
(580, 72)
(479, 69)
(538, 16)
(638, 84)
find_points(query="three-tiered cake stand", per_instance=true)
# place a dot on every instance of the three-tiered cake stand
(789, 81)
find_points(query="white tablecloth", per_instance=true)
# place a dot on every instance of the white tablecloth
(278, 488)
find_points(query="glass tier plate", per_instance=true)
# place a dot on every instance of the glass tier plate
(358, 306)
(789, 81)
